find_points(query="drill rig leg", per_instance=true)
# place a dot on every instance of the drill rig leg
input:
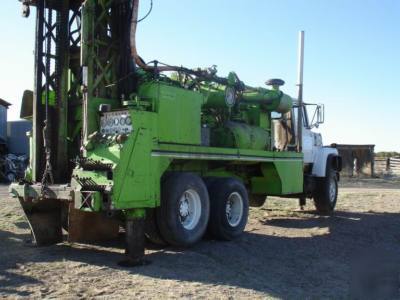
(134, 239)
(302, 202)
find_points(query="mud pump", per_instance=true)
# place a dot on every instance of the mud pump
(166, 152)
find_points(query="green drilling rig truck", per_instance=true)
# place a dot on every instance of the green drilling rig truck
(167, 152)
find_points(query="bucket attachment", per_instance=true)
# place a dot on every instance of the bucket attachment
(44, 218)
(87, 227)
(47, 217)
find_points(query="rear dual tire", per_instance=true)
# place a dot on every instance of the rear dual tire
(185, 208)
(229, 208)
(189, 207)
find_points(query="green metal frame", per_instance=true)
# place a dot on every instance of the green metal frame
(160, 143)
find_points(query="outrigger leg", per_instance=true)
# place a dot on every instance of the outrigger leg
(134, 239)
(302, 202)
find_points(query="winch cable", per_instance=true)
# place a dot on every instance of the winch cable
(48, 172)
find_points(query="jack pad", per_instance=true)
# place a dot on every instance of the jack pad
(130, 263)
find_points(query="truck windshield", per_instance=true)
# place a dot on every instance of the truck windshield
(305, 115)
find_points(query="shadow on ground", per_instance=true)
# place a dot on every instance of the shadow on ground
(317, 266)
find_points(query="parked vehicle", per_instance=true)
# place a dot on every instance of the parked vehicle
(170, 154)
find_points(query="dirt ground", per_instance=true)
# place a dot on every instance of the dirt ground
(284, 253)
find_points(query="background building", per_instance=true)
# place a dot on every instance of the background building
(3, 125)
(358, 160)
(17, 140)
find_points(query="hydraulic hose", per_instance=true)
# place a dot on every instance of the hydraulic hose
(201, 74)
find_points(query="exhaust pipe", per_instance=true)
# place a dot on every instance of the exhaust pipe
(300, 93)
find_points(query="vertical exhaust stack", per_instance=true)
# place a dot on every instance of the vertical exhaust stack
(300, 93)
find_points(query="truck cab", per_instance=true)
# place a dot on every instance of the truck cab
(322, 164)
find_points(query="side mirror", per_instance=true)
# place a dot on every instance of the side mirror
(320, 114)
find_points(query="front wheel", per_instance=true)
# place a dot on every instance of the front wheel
(326, 193)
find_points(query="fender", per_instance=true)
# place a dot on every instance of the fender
(320, 161)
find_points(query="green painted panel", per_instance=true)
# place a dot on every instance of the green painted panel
(291, 175)
(179, 112)
(270, 183)
(137, 175)
(280, 178)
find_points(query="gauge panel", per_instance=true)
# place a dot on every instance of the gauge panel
(116, 122)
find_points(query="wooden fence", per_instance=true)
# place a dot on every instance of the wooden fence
(389, 165)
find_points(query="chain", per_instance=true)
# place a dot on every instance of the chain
(48, 171)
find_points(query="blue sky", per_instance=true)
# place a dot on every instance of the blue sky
(352, 54)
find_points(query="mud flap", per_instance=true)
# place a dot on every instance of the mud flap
(87, 227)
(44, 218)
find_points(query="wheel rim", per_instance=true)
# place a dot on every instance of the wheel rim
(234, 209)
(189, 209)
(332, 190)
